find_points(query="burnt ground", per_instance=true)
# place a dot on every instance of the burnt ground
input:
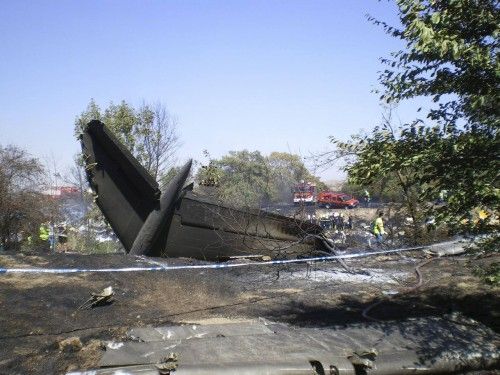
(39, 311)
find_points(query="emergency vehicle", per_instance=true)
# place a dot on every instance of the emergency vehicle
(304, 192)
(330, 199)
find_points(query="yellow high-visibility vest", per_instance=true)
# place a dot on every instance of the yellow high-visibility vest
(44, 233)
(378, 228)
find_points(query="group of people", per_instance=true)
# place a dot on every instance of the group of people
(337, 221)
(47, 236)
(50, 235)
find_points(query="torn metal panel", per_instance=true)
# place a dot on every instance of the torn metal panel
(96, 299)
(227, 350)
(176, 222)
(448, 248)
(434, 345)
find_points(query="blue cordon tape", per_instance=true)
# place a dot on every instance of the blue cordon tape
(161, 267)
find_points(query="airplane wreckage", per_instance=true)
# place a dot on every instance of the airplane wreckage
(177, 222)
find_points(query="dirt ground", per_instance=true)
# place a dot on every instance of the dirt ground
(38, 311)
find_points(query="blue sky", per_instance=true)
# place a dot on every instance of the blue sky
(256, 75)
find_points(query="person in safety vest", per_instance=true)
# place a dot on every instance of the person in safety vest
(44, 235)
(43, 232)
(378, 228)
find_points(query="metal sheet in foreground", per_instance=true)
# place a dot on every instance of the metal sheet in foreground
(434, 345)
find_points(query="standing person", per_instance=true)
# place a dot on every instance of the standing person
(336, 221)
(367, 198)
(44, 234)
(52, 237)
(349, 222)
(378, 228)
(341, 222)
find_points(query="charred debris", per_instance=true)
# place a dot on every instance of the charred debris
(177, 222)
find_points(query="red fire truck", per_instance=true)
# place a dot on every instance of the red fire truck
(304, 192)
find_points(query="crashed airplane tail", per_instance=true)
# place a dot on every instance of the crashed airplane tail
(177, 222)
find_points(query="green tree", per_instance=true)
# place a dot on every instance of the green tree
(123, 120)
(249, 179)
(451, 56)
(149, 132)
(22, 206)
(92, 112)
(386, 158)
(286, 171)
(245, 179)
(156, 139)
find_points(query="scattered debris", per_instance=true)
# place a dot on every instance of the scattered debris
(363, 359)
(168, 365)
(94, 345)
(71, 344)
(390, 292)
(98, 299)
(447, 248)
(114, 345)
